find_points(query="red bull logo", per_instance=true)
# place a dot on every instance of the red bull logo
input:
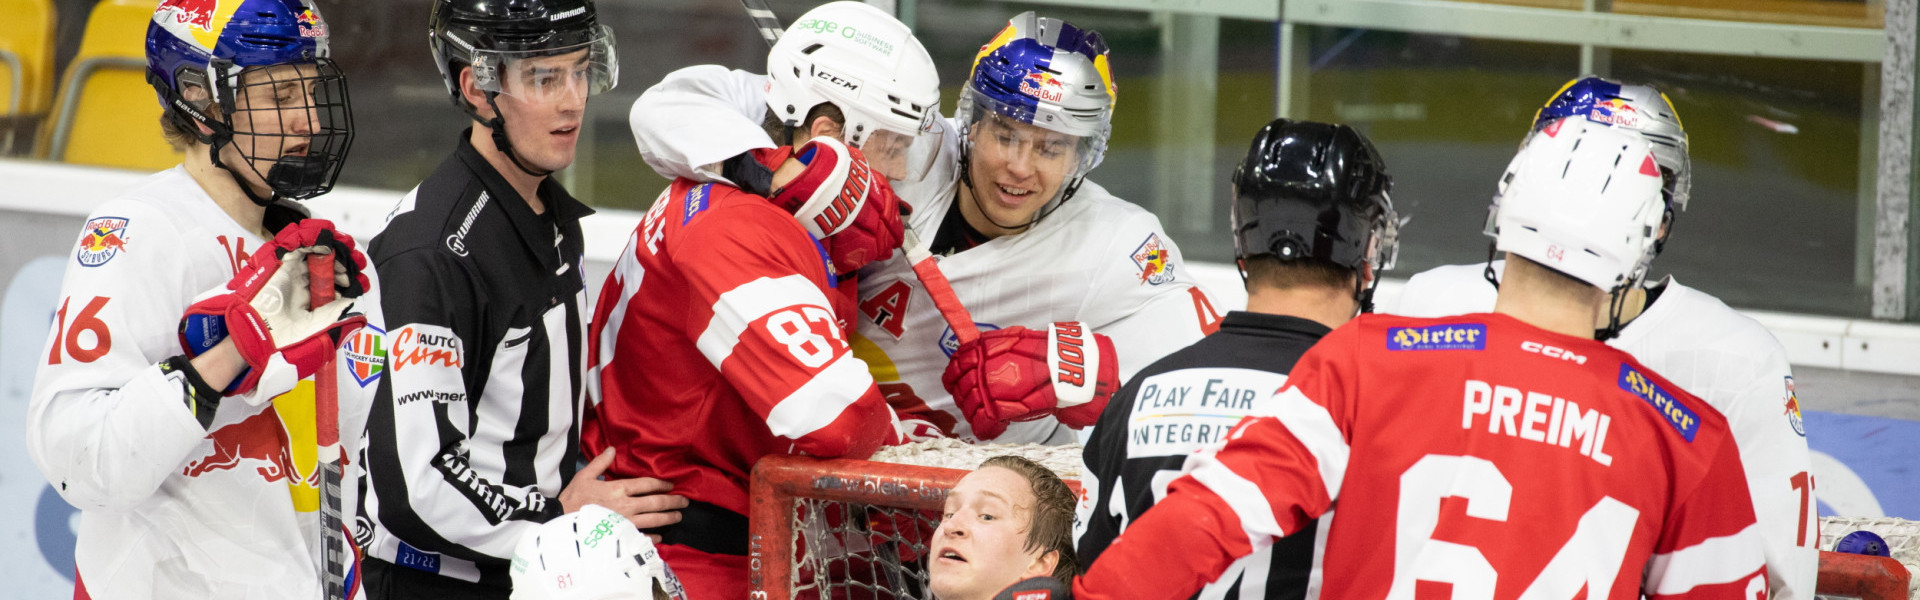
(102, 240)
(1793, 409)
(309, 17)
(1043, 85)
(1616, 112)
(197, 14)
(310, 24)
(1156, 266)
(277, 444)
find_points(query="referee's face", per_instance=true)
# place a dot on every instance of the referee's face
(544, 101)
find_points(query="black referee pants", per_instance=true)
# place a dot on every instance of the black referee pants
(387, 581)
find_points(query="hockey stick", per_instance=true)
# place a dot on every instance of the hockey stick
(925, 266)
(334, 555)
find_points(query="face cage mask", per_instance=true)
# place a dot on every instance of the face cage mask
(992, 134)
(295, 117)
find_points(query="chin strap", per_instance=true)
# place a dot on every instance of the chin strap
(966, 179)
(1493, 277)
(1616, 304)
(498, 124)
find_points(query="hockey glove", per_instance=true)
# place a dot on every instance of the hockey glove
(283, 325)
(1020, 374)
(841, 201)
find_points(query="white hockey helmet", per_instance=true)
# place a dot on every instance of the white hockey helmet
(591, 554)
(1584, 199)
(868, 64)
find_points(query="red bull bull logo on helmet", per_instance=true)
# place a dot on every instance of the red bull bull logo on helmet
(197, 14)
(1043, 85)
(102, 240)
(1615, 111)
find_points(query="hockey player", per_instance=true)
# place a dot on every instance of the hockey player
(471, 441)
(189, 442)
(1006, 522)
(722, 331)
(1726, 358)
(1312, 225)
(1027, 241)
(1572, 467)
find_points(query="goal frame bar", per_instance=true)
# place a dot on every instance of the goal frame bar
(778, 480)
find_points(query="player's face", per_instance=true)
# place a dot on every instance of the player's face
(275, 116)
(1017, 167)
(544, 99)
(980, 546)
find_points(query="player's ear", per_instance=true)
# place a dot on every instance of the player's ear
(1043, 564)
(471, 92)
(823, 126)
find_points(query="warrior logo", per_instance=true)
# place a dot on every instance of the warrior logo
(105, 237)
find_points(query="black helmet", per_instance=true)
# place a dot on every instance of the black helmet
(493, 35)
(1311, 190)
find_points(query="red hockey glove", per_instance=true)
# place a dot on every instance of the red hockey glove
(837, 197)
(283, 326)
(1019, 374)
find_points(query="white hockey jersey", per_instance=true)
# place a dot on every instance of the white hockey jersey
(1725, 358)
(1097, 259)
(168, 509)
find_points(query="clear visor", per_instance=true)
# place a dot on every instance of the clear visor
(901, 157)
(550, 74)
(1003, 139)
(1383, 245)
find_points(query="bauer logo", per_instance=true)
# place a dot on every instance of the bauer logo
(104, 238)
(1156, 265)
(1683, 419)
(366, 352)
(950, 343)
(1454, 336)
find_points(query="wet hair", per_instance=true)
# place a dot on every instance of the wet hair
(1051, 529)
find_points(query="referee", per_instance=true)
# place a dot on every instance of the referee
(473, 436)
(1312, 225)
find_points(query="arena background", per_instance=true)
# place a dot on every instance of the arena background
(1800, 114)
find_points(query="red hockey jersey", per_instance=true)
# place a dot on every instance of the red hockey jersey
(719, 338)
(1475, 455)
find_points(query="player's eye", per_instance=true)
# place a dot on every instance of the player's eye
(987, 517)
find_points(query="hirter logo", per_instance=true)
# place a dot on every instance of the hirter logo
(104, 238)
(1460, 336)
(1682, 418)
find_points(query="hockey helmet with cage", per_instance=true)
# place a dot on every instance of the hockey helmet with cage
(1583, 198)
(498, 38)
(236, 53)
(1319, 191)
(1047, 73)
(868, 64)
(591, 554)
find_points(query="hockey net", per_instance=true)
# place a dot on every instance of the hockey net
(1855, 576)
(858, 529)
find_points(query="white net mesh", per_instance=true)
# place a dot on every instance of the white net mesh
(1902, 537)
(848, 550)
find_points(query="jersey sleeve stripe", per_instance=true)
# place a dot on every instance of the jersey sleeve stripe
(1310, 423)
(1242, 496)
(741, 306)
(821, 400)
(1711, 562)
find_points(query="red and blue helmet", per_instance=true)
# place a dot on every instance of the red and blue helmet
(213, 44)
(1638, 108)
(1051, 74)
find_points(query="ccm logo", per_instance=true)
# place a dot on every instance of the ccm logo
(849, 84)
(1555, 352)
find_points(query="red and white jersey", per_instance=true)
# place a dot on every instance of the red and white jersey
(1723, 357)
(1475, 454)
(168, 509)
(720, 338)
(1097, 259)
